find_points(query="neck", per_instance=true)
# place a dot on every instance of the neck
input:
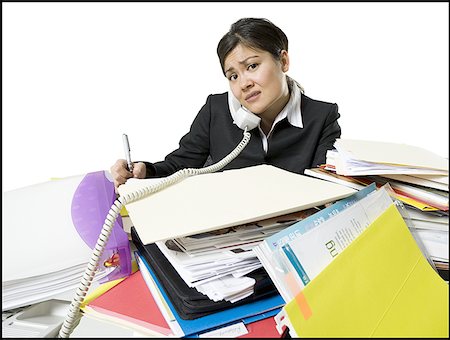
(266, 125)
(268, 117)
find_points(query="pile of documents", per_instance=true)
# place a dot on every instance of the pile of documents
(216, 263)
(129, 304)
(350, 269)
(362, 157)
(418, 178)
(276, 252)
(219, 228)
(344, 261)
(357, 272)
(44, 256)
(199, 264)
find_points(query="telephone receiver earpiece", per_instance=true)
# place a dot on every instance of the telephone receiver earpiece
(246, 119)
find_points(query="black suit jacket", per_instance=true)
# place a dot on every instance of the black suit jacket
(213, 135)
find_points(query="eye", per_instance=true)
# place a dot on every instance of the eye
(252, 66)
(232, 77)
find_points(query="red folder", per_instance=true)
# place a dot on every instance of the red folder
(265, 328)
(131, 301)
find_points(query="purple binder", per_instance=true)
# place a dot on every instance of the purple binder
(90, 205)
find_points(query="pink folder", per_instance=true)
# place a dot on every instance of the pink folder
(131, 301)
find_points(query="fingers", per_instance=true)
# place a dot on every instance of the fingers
(139, 170)
(120, 173)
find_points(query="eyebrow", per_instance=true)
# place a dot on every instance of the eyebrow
(241, 62)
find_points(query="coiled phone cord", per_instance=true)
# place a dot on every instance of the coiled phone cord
(73, 316)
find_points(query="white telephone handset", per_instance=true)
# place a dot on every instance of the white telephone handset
(246, 119)
(242, 117)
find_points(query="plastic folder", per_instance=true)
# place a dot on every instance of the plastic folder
(379, 286)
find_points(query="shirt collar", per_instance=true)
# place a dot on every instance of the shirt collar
(292, 110)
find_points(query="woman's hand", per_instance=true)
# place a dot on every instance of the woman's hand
(120, 172)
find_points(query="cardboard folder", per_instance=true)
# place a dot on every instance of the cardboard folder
(379, 286)
(218, 200)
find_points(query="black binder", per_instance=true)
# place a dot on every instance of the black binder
(189, 303)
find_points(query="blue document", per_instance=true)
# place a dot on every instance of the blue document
(312, 221)
(246, 313)
(270, 251)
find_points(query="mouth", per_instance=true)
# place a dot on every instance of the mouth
(252, 96)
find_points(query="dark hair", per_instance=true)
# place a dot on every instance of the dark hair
(257, 33)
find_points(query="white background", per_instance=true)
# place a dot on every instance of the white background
(78, 75)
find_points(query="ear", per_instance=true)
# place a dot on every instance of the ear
(284, 58)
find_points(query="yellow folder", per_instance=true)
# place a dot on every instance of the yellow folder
(379, 286)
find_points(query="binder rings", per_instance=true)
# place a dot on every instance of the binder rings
(379, 286)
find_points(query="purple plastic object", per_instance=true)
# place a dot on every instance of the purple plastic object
(91, 203)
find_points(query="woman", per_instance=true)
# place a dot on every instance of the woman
(294, 131)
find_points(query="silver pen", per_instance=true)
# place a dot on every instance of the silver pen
(126, 148)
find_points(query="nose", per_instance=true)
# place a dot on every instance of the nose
(246, 82)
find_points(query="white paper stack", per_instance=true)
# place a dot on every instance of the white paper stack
(253, 198)
(43, 256)
(216, 263)
(428, 220)
(419, 178)
(362, 158)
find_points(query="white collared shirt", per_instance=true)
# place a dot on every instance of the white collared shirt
(292, 111)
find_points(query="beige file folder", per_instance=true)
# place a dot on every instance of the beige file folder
(208, 202)
(392, 154)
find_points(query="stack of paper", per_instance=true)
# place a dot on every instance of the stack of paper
(238, 238)
(212, 325)
(130, 305)
(220, 276)
(211, 236)
(431, 229)
(424, 197)
(44, 257)
(361, 157)
(439, 182)
(215, 263)
(418, 178)
(428, 220)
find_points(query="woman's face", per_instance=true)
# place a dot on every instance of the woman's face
(257, 80)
